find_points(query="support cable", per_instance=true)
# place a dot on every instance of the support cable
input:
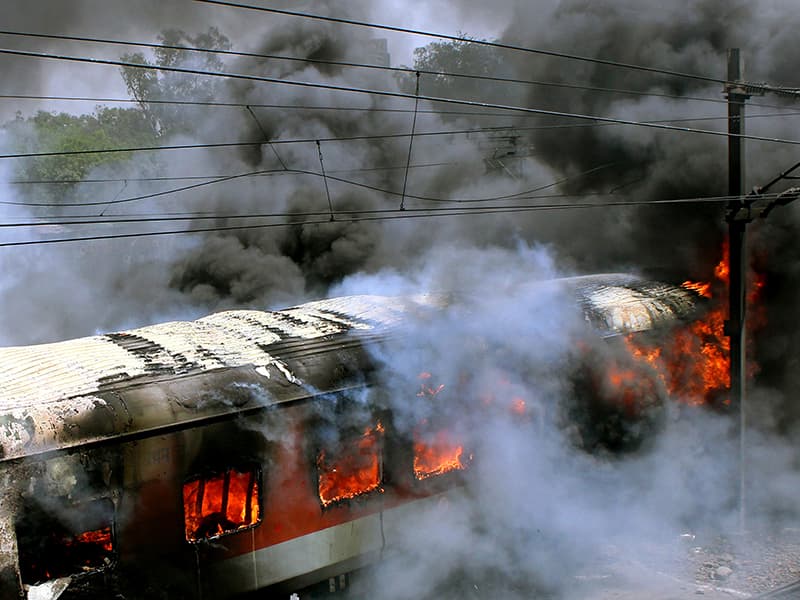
(266, 137)
(116, 197)
(325, 180)
(410, 144)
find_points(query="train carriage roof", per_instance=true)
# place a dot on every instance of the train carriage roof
(47, 391)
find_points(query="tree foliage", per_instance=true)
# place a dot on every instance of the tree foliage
(107, 128)
(462, 57)
(62, 132)
(146, 85)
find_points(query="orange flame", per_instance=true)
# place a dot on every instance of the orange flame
(704, 289)
(99, 537)
(437, 454)
(694, 364)
(723, 270)
(219, 504)
(355, 471)
(628, 387)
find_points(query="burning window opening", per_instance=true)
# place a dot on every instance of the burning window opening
(79, 540)
(354, 469)
(435, 451)
(436, 454)
(221, 503)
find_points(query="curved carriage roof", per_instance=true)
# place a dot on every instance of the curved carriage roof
(46, 389)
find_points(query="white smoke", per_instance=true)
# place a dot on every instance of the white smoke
(538, 513)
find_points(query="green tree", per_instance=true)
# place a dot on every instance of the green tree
(62, 132)
(462, 57)
(147, 84)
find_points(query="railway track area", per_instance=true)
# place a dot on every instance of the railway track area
(758, 566)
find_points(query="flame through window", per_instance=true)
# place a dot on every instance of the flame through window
(437, 453)
(72, 540)
(435, 450)
(352, 469)
(221, 503)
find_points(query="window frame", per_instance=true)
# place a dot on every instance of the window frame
(256, 481)
(330, 452)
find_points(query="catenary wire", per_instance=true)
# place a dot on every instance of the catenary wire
(503, 129)
(350, 64)
(457, 201)
(497, 129)
(455, 38)
(214, 103)
(116, 219)
(352, 138)
(284, 171)
(387, 93)
(385, 215)
(203, 177)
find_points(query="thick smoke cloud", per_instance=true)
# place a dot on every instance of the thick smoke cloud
(272, 266)
(54, 292)
(538, 514)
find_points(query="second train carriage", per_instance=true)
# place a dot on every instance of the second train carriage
(242, 451)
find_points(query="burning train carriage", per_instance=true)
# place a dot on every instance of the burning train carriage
(237, 452)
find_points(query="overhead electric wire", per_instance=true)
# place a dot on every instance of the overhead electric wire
(115, 219)
(203, 215)
(203, 177)
(359, 184)
(284, 171)
(387, 93)
(197, 146)
(213, 103)
(497, 129)
(251, 104)
(510, 129)
(455, 38)
(367, 216)
(350, 64)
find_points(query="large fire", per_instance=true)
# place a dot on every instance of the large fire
(694, 363)
(354, 470)
(219, 504)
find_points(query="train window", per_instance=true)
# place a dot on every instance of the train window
(70, 540)
(221, 503)
(352, 467)
(437, 449)
(437, 452)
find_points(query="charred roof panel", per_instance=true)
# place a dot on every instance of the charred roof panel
(619, 304)
(51, 394)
